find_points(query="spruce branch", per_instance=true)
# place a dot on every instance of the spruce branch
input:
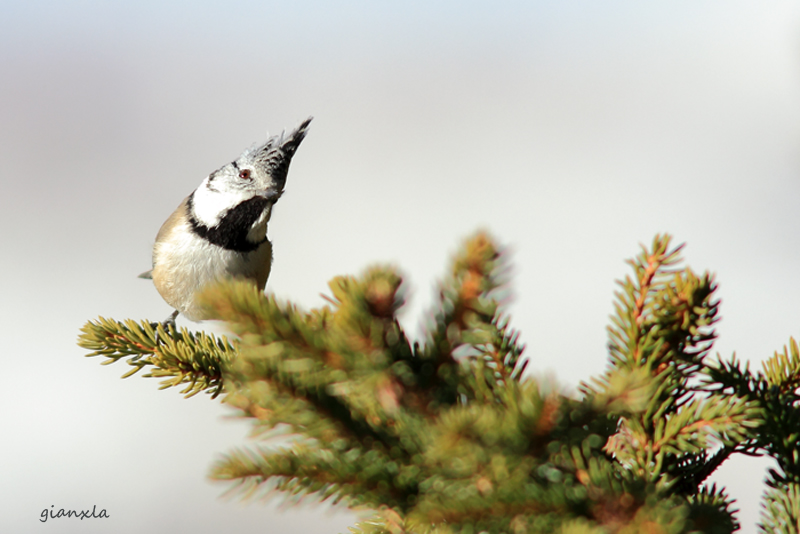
(782, 371)
(359, 477)
(318, 360)
(181, 358)
(466, 323)
(711, 511)
(781, 510)
(775, 390)
(445, 435)
(659, 338)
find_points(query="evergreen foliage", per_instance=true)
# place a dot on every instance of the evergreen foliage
(446, 435)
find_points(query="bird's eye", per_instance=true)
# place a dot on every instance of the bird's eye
(245, 174)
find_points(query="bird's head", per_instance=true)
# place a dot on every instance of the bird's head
(241, 193)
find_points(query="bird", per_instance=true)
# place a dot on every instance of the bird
(220, 230)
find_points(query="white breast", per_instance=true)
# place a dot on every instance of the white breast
(184, 263)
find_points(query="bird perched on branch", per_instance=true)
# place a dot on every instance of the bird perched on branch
(220, 230)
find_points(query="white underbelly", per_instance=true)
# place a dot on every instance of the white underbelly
(182, 267)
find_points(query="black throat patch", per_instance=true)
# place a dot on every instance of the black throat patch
(231, 231)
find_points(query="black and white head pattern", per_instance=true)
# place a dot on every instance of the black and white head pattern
(232, 206)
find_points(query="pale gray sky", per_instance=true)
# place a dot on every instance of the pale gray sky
(571, 130)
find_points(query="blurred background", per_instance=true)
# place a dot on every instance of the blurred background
(573, 131)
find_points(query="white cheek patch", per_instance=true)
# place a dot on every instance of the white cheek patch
(209, 206)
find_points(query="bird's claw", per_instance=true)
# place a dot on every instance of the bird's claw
(165, 324)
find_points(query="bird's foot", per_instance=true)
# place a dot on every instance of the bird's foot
(165, 324)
